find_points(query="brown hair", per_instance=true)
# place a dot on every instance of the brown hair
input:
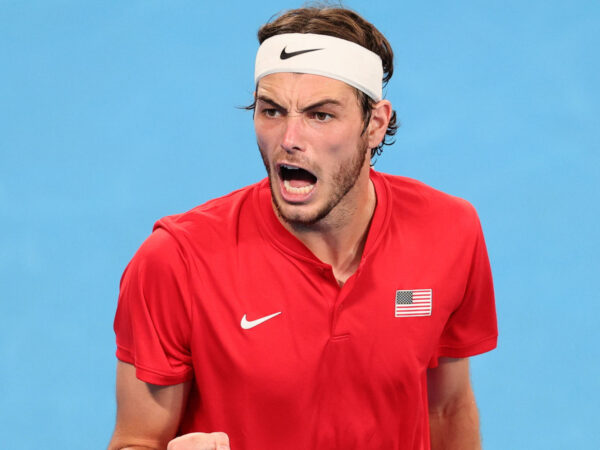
(344, 24)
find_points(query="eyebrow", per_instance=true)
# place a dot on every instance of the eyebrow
(320, 103)
(273, 103)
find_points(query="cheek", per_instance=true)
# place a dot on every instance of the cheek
(262, 140)
(265, 135)
(340, 143)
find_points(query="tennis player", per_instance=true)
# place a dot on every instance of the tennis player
(328, 306)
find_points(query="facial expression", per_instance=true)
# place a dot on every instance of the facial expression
(308, 130)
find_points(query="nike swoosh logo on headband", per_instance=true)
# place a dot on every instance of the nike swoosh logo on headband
(285, 55)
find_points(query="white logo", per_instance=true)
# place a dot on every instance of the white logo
(247, 324)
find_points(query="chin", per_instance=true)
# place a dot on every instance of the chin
(299, 215)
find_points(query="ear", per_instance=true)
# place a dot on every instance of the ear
(380, 118)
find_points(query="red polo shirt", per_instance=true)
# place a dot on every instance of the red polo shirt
(281, 356)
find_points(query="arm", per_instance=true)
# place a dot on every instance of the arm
(148, 415)
(453, 417)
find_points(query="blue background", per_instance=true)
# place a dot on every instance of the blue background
(115, 113)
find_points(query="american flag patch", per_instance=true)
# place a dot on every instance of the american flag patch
(413, 303)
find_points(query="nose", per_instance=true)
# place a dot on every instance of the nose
(292, 134)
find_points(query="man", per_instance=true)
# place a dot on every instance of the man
(330, 307)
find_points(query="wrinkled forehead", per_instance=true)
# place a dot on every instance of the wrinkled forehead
(301, 89)
(325, 56)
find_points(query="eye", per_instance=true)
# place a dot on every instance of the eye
(321, 116)
(271, 112)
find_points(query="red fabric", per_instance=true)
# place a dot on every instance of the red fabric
(336, 369)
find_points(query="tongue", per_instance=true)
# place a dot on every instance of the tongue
(299, 183)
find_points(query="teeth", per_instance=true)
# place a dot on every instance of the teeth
(297, 190)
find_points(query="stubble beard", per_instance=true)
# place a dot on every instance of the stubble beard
(343, 180)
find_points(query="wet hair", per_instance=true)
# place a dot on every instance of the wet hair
(344, 24)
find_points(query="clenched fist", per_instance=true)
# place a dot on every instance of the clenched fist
(200, 441)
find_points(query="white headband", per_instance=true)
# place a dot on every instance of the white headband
(319, 54)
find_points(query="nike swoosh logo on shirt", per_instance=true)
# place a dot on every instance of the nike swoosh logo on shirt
(247, 324)
(285, 55)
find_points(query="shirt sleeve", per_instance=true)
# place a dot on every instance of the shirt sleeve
(153, 319)
(472, 327)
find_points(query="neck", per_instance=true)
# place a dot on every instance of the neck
(339, 239)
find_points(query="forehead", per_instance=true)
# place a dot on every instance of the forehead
(301, 87)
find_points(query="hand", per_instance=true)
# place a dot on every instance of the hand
(200, 441)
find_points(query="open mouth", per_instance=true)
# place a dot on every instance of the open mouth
(296, 180)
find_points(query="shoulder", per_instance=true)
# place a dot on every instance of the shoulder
(214, 215)
(422, 202)
(421, 207)
(176, 237)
